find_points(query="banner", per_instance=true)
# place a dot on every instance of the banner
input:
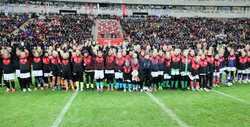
(158, 12)
(12, 10)
(91, 9)
(86, 8)
(165, 12)
(27, 5)
(6, 9)
(124, 10)
(111, 41)
(150, 12)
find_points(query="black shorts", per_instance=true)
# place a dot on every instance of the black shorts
(78, 77)
(67, 75)
(109, 77)
(55, 71)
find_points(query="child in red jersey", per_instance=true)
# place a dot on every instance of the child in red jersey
(135, 75)
(37, 69)
(25, 70)
(119, 63)
(175, 69)
(161, 60)
(89, 70)
(46, 69)
(99, 59)
(216, 74)
(8, 68)
(194, 76)
(242, 67)
(54, 65)
(185, 67)
(65, 67)
(77, 66)
(167, 70)
(127, 69)
(231, 67)
(109, 69)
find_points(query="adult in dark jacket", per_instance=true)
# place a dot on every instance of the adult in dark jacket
(146, 65)
(203, 71)
(211, 67)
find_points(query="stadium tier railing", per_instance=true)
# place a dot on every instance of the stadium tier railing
(21, 8)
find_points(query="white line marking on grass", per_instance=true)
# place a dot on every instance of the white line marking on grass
(61, 115)
(231, 97)
(167, 110)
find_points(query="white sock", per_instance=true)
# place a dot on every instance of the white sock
(101, 86)
(97, 87)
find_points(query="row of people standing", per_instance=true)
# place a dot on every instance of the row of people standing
(70, 67)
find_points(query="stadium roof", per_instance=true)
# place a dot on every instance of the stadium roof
(170, 2)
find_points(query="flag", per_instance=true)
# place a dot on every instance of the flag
(98, 7)
(27, 5)
(124, 10)
(86, 8)
(6, 9)
(91, 9)
(45, 9)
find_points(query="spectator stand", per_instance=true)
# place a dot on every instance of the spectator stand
(109, 32)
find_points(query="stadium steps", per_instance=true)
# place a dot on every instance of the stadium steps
(95, 30)
(108, 26)
(120, 27)
(22, 27)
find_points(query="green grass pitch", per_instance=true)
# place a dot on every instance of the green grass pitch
(119, 109)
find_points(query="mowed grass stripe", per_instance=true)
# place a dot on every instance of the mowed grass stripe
(231, 96)
(237, 90)
(205, 109)
(36, 108)
(167, 110)
(65, 109)
(112, 109)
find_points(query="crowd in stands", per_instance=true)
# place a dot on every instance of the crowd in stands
(185, 32)
(11, 22)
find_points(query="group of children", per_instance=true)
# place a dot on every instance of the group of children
(135, 69)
